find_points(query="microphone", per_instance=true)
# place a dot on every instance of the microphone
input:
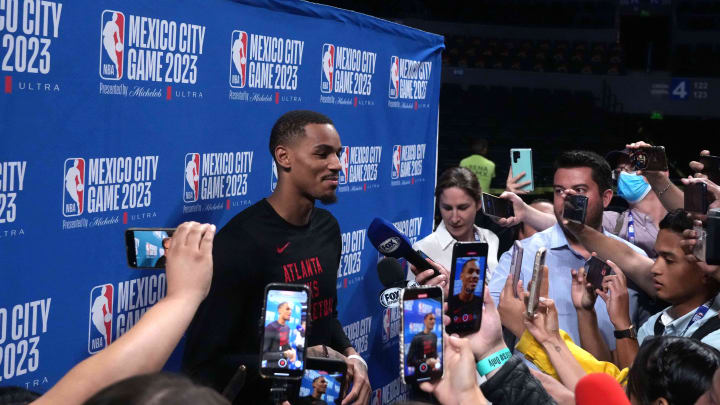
(599, 389)
(389, 241)
(392, 277)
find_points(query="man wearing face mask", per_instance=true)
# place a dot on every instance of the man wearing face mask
(639, 225)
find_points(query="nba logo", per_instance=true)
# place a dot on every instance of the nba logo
(273, 177)
(73, 187)
(112, 44)
(192, 177)
(238, 59)
(328, 65)
(377, 397)
(344, 165)
(396, 156)
(394, 77)
(387, 317)
(101, 319)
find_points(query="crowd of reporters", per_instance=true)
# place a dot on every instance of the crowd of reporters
(655, 331)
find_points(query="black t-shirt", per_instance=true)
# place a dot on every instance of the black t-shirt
(309, 400)
(255, 248)
(458, 307)
(423, 346)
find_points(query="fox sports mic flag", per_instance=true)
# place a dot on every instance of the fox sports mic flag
(147, 114)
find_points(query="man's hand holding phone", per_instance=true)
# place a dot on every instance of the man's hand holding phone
(427, 277)
(582, 292)
(615, 295)
(189, 261)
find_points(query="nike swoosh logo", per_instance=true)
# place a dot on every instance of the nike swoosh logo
(282, 249)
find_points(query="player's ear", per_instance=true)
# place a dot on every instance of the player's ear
(283, 157)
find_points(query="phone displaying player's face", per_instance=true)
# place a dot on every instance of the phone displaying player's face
(596, 271)
(575, 208)
(535, 282)
(146, 247)
(323, 382)
(421, 336)
(497, 207)
(467, 284)
(284, 329)
(516, 265)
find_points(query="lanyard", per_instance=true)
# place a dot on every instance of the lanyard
(699, 314)
(631, 228)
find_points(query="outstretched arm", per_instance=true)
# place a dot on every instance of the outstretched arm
(146, 347)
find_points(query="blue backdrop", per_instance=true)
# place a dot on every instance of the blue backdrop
(117, 114)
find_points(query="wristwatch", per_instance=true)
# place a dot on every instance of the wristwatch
(627, 333)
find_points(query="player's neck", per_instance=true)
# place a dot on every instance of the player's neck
(427, 331)
(316, 395)
(281, 322)
(293, 207)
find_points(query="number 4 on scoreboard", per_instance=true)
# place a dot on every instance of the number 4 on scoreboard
(679, 89)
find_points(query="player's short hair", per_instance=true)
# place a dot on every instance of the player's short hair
(281, 304)
(428, 314)
(601, 172)
(466, 263)
(291, 125)
(317, 378)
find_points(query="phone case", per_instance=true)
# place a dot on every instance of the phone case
(537, 279)
(402, 330)
(465, 325)
(521, 161)
(516, 265)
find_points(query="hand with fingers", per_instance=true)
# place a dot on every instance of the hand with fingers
(559, 392)
(458, 385)
(689, 242)
(582, 293)
(615, 295)
(511, 307)
(698, 167)
(514, 185)
(519, 208)
(544, 325)
(358, 374)
(426, 277)
(189, 265)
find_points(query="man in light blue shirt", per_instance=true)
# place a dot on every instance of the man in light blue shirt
(692, 292)
(576, 172)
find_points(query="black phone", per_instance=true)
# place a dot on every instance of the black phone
(575, 208)
(497, 207)
(324, 381)
(696, 198)
(516, 265)
(467, 285)
(596, 271)
(711, 167)
(145, 247)
(284, 328)
(649, 158)
(536, 281)
(421, 336)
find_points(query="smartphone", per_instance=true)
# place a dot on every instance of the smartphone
(700, 249)
(711, 167)
(146, 247)
(649, 158)
(537, 279)
(421, 335)
(284, 323)
(696, 198)
(521, 161)
(467, 285)
(323, 382)
(596, 271)
(497, 207)
(575, 208)
(516, 265)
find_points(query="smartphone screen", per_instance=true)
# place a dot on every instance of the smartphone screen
(467, 284)
(516, 265)
(596, 271)
(284, 328)
(146, 247)
(421, 340)
(575, 208)
(323, 382)
(537, 279)
(649, 158)
(496, 206)
(696, 198)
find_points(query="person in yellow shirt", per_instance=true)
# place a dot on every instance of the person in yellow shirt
(483, 167)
